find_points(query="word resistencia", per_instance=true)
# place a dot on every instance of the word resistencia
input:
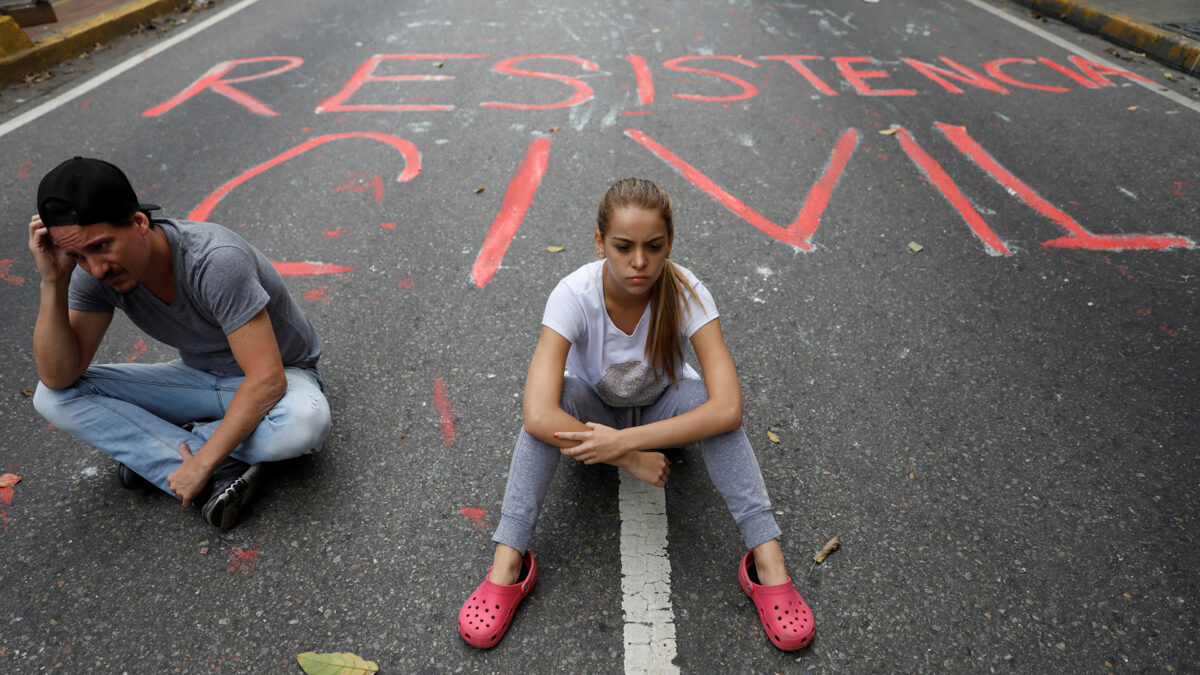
(378, 75)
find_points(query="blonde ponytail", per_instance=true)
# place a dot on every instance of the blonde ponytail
(668, 301)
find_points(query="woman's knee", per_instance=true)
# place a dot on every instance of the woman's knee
(691, 394)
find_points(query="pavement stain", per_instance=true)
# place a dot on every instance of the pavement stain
(7, 481)
(139, 348)
(1180, 186)
(478, 518)
(5, 275)
(318, 294)
(356, 185)
(243, 561)
(1169, 331)
(446, 414)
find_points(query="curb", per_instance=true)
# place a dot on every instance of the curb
(12, 38)
(80, 37)
(1170, 48)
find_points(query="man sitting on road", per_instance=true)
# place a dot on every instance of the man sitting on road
(245, 389)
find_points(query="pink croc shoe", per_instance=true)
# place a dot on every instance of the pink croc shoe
(784, 615)
(486, 615)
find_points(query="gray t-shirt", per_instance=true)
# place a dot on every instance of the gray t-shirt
(221, 282)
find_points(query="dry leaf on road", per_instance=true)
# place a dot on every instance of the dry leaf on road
(343, 663)
(829, 547)
(773, 437)
(556, 249)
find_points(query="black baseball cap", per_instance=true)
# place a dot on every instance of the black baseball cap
(88, 191)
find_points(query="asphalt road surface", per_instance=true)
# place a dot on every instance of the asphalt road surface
(954, 250)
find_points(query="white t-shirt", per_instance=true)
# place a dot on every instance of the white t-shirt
(612, 362)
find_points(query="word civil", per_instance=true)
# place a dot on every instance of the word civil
(524, 185)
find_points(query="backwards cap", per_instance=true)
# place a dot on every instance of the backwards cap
(92, 190)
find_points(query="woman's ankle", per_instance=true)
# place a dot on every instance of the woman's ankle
(768, 563)
(506, 565)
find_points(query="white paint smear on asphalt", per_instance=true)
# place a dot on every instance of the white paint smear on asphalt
(1045, 34)
(72, 94)
(646, 578)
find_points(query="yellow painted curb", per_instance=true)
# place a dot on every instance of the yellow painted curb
(12, 38)
(81, 37)
(1162, 44)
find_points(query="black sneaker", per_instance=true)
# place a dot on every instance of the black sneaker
(232, 488)
(132, 480)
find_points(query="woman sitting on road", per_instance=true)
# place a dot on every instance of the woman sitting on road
(620, 327)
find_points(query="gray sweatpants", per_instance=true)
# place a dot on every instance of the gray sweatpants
(728, 457)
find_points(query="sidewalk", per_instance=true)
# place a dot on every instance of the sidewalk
(80, 26)
(1168, 30)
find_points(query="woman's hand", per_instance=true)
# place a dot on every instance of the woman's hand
(600, 444)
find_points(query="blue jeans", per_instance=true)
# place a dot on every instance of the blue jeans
(132, 411)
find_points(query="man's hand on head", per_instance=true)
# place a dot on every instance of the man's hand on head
(190, 478)
(53, 263)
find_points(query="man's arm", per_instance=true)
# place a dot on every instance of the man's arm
(64, 340)
(255, 350)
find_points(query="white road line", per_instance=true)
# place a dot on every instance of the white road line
(70, 95)
(646, 579)
(1042, 33)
